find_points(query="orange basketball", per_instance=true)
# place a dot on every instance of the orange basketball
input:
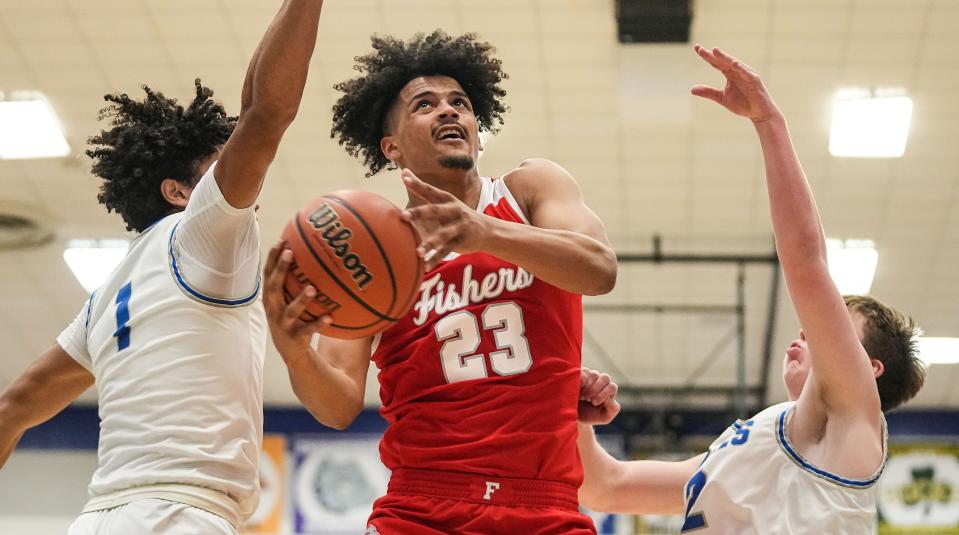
(360, 255)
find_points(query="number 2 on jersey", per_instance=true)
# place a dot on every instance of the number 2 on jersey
(122, 334)
(460, 334)
(693, 487)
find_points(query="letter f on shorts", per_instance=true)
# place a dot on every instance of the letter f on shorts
(491, 487)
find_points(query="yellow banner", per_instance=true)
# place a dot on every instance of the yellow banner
(269, 514)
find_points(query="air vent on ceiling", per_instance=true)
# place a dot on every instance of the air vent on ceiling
(654, 21)
(17, 231)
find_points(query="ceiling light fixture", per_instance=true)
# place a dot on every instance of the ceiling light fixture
(870, 124)
(938, 350)
(91, 261)
(29, 128)
(852, 265)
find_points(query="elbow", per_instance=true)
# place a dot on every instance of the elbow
(604, 279)
(339, 425)
(341, 418)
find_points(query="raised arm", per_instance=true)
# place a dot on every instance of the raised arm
(44, 389)
(843, 380)
(614, 486)
(565, 244)
(330, 380)
(271, 97)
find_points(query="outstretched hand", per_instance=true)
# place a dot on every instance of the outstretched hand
(744, 93)
(597, 398)
(443, 222)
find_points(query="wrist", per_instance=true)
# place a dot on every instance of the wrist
(773, 118)
(295, 356)
(490, 235)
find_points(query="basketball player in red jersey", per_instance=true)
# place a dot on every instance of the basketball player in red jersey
(480, 380)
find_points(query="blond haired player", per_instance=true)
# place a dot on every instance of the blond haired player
(809, 465)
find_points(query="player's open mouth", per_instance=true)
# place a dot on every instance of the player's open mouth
(450, 133)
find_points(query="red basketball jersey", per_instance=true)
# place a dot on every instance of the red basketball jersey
(482, 375)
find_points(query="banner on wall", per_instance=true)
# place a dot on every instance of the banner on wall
(268, 517)
(335, 480)
(919, 490)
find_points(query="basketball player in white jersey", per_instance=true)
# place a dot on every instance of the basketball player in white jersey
(174, 339)
(809, 465)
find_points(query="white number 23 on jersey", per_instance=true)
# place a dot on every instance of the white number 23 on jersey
(460, 334)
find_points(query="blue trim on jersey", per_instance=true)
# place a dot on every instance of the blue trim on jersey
(206, 298)
(784, 442)
(86, 324)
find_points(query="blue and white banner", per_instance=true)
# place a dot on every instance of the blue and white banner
(334, 482)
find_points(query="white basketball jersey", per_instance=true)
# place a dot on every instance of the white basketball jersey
(179, 376)
(754, 482)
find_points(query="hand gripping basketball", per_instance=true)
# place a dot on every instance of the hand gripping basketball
(290, 333)
(354, 259)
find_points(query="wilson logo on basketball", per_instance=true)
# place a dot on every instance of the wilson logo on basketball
(325, 301)
(325, 220)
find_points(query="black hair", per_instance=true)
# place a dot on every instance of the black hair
(151, 140)
(360, 115)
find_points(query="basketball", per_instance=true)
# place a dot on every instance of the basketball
(360, 255)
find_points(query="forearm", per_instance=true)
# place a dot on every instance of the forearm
(568, 260)
(632, 487)
(601, 471)
(40, 393)
(12, 428)
(796, 224)
(279, 68)
(328, 393)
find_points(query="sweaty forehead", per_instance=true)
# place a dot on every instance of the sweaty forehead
(436, 84)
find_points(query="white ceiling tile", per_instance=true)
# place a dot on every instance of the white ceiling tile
(29, 27)
(887, 21)
(649, 157)
(943, 19)
(830, 18)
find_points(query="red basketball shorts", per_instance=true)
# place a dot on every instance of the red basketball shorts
(427, 502)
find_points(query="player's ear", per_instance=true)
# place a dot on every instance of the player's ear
(878, 368)
(175, 192)
(390, 149)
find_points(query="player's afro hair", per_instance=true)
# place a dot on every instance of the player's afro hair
(360, 115)
(151, 140)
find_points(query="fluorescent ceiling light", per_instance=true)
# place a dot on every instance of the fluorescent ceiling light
(934, 350)
(29, 128)
(852, 264)
(867, 126)
(91, 261)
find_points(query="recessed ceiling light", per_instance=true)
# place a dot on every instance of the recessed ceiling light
(852, 265)
(91, 261)
(936, 350)
(29, 128)
(870, 125)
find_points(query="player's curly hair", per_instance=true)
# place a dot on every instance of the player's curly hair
(360, 115)
(151, 140)
(891, 338)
